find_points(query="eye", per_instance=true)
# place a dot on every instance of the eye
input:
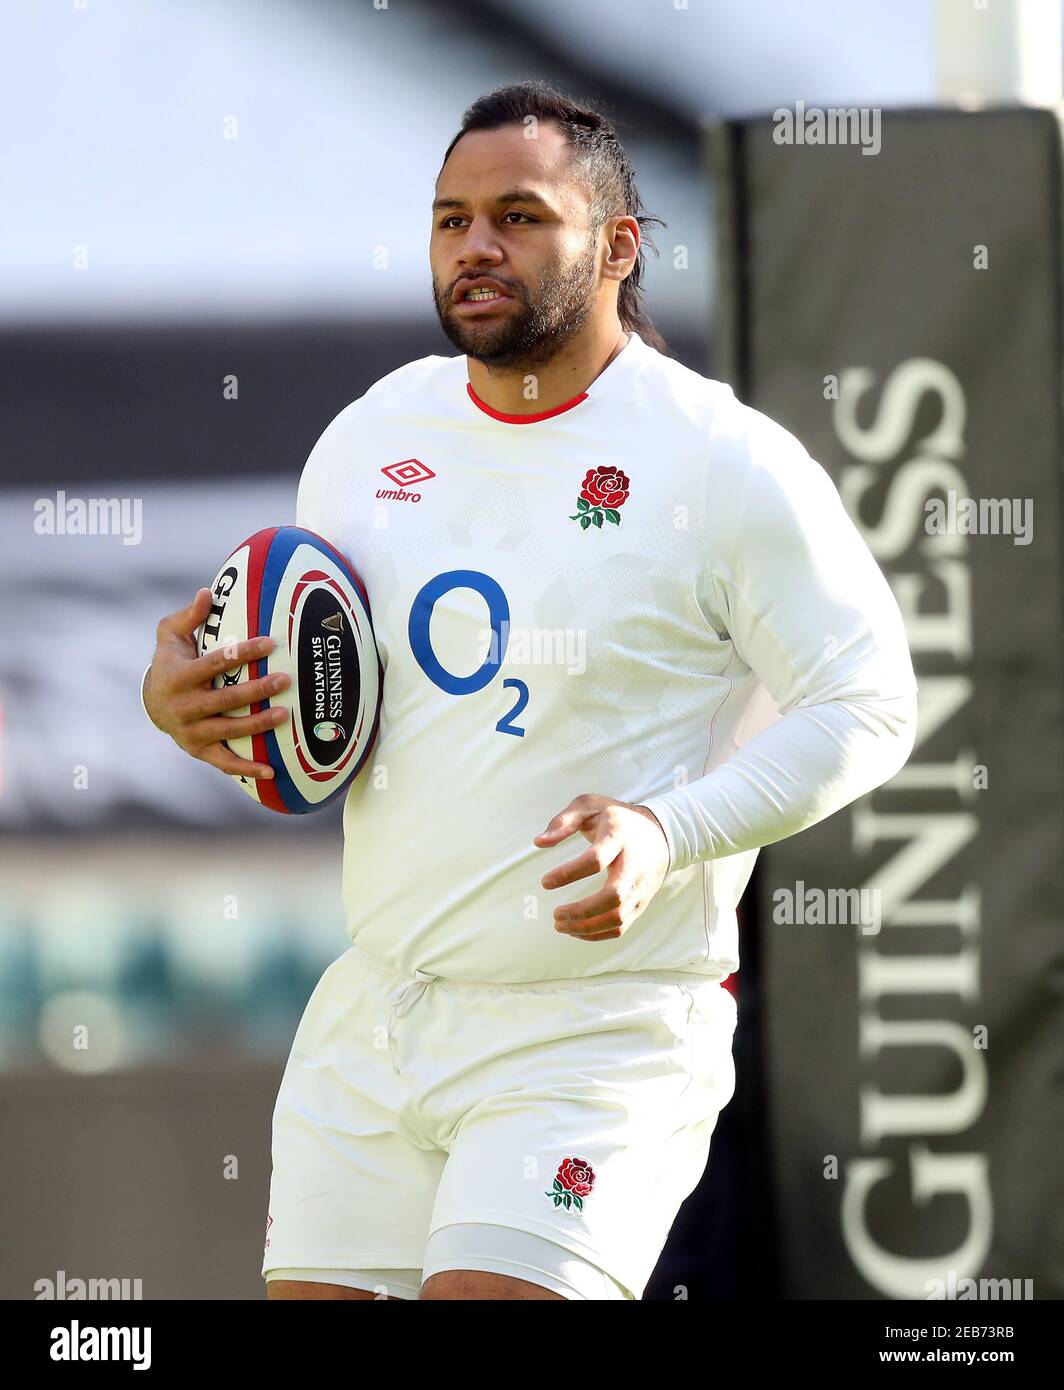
(518, 214)
(454, 217)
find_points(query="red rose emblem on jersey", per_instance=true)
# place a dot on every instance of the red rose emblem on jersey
(602, 492)
(605, 487)
(572, 1183)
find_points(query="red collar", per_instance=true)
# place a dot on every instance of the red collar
(522, 419)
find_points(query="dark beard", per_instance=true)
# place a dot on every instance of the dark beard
(553, 313)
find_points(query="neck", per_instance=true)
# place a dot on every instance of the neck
(567, 374)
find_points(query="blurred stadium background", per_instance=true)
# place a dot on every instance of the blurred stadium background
(213, 237)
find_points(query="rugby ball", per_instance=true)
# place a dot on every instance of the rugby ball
(289, 584)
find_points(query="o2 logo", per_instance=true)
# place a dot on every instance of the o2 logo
(499, 619)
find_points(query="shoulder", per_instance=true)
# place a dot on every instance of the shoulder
(754, 440)
(750, 458)
(720, 428)
(408, 388)
(677, 395)
(401, 389)
(413, 379)
(737, 449)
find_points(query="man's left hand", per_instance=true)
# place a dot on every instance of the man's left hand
(628, 842)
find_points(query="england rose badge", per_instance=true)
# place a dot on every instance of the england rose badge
(604, 490)
(572, 1183)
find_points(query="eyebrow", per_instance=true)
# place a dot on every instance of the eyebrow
(512, 195)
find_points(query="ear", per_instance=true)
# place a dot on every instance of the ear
(622, 247)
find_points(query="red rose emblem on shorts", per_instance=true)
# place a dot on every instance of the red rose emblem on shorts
(572, 1183)
(602, 492)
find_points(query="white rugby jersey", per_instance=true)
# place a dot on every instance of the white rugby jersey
(651, 593)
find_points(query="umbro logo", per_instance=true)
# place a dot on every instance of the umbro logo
(405, 474)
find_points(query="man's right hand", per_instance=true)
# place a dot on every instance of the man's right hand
(182, 702)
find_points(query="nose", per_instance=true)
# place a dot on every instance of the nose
(480, 245)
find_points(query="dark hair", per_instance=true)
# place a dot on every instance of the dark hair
(608, 170)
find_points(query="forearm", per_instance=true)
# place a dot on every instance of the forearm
(811, 763)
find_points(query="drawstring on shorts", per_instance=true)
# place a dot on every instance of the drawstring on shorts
(404, 997)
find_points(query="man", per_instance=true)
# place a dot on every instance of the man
(604, 564)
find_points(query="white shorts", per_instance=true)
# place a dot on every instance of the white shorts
(578, 1112)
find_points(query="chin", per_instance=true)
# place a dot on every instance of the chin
(484, 346)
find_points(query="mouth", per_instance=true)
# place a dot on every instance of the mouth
(473, 297)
